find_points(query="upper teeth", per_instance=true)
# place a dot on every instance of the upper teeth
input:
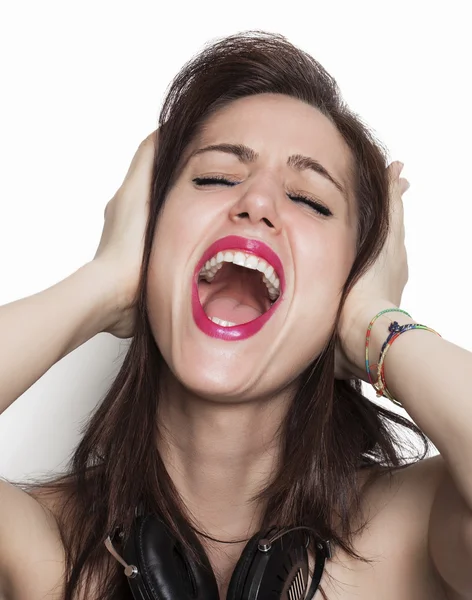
(250, 261)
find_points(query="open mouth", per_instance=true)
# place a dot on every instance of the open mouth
(236, 290)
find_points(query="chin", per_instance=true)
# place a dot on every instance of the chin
(212, 379)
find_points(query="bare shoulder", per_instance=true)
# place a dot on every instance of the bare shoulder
(31, 551)
(419, 483)
(397, 510)
(407, 492)
(32, 554)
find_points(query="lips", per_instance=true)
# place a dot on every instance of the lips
(245, 330)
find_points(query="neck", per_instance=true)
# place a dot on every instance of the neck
(219, 455)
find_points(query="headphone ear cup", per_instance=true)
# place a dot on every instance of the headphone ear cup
(280, 572)
(242, 568)
(166, 571)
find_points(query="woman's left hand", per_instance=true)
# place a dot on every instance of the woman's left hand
(380, 287)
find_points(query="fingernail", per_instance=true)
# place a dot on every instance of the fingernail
(401, 167)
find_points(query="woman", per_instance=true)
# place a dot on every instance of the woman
(251, 251)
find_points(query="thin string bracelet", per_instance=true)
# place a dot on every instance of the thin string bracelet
(395, 332)
(367, 337)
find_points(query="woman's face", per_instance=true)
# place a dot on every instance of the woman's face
(226, 333)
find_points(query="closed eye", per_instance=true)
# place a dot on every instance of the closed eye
(215, 180)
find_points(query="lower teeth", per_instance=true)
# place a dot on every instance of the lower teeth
(221, 322)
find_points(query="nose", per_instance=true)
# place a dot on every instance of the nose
(258, 205)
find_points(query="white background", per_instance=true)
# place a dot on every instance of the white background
(82, 84)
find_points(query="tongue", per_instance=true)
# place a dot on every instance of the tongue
(230, 309)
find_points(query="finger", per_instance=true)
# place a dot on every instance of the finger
(394, 170)
(396, 203)
(143, 159)
(404, 185)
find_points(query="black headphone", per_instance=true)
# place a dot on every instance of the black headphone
(272, 566)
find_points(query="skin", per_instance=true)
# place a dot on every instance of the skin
(219, 444)
(223, 400)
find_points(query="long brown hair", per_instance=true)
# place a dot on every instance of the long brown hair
(331, 429)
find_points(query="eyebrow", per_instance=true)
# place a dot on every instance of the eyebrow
(296, 161)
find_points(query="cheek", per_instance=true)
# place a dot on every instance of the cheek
(181, 226)
(166, 253)
(325, 257)
(173, 238)
(322, 266)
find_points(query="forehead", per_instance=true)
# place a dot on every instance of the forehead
(276, 126)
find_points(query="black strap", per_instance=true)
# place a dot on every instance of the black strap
(321, 555)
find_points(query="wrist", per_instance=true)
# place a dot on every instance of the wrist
(107, 303)
(379, 334)
(354, 343)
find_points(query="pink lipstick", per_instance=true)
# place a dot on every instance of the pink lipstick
(245, 330)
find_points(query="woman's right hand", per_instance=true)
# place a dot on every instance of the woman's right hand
(121, 247)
